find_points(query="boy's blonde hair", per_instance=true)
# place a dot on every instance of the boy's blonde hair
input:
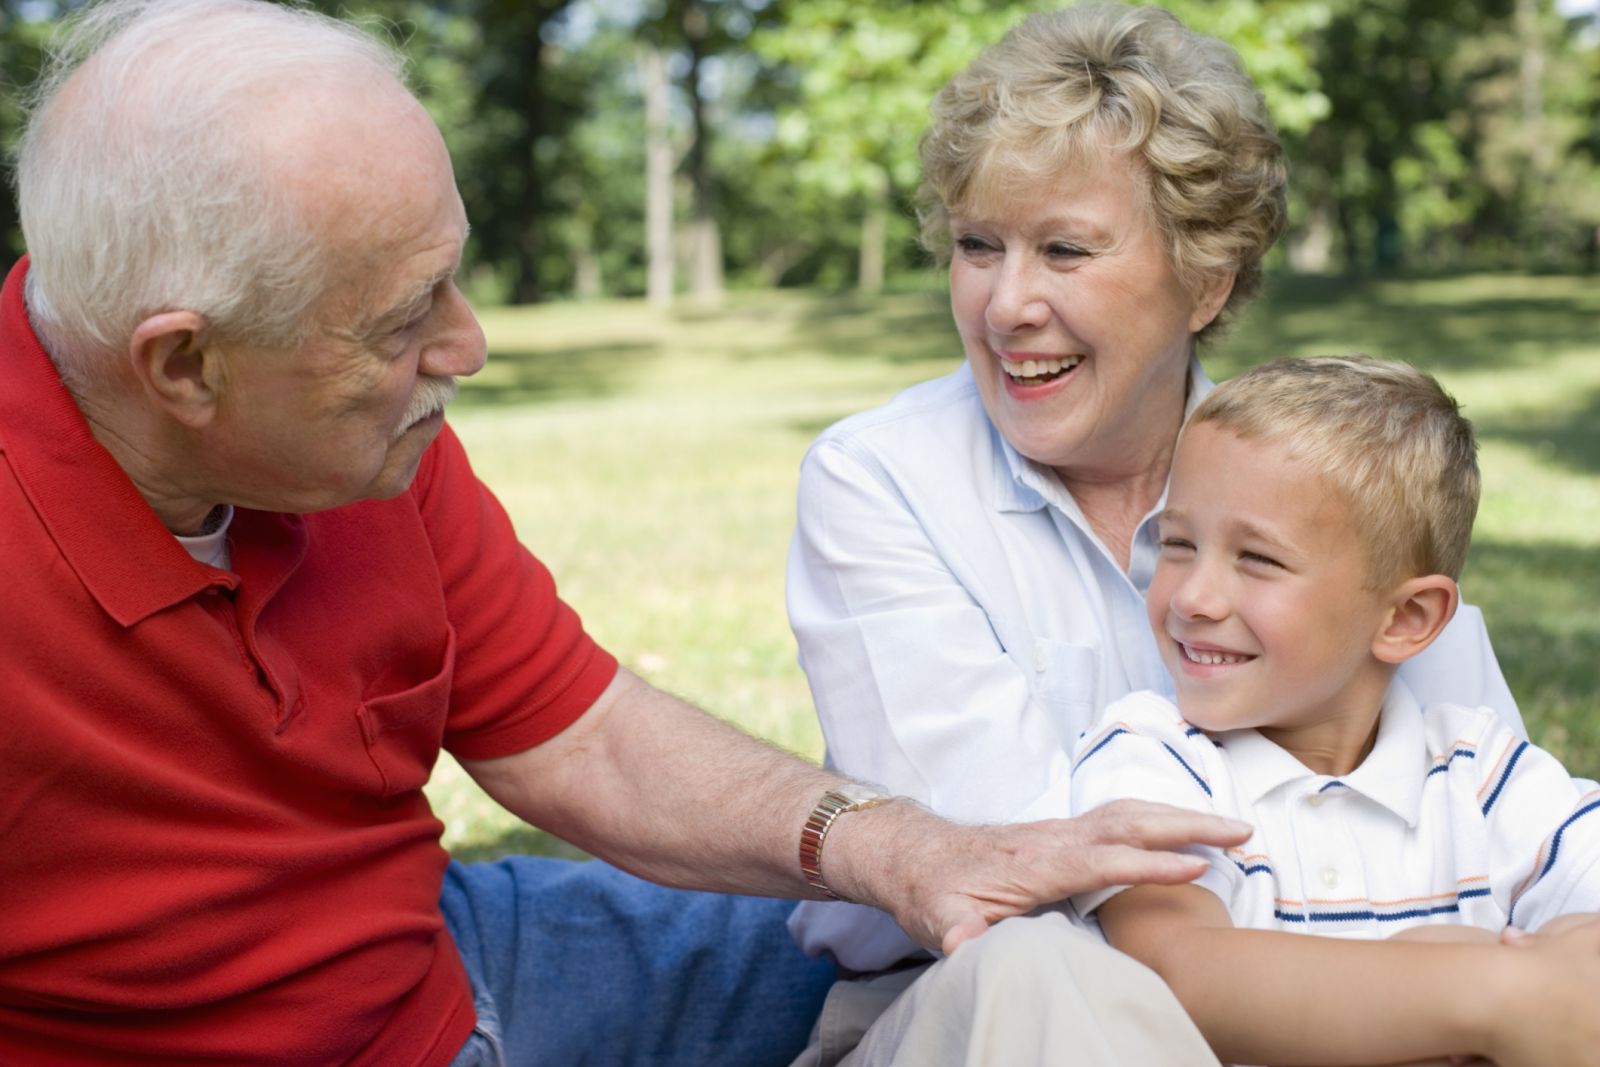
(1386, 435)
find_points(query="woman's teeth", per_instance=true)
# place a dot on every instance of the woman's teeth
(1034, 371)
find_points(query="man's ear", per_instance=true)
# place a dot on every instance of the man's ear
(1208, 301)
(168, 355)
(1418, 610)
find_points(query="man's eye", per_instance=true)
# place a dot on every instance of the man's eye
(410, 326)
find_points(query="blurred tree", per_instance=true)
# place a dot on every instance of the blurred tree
(1422, 132)
(21, 44)
(659, 166)
(1455, 132)
(865, 74)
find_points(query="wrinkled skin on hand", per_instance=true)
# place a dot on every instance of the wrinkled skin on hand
(946, 883)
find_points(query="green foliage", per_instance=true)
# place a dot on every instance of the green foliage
(1424, 134)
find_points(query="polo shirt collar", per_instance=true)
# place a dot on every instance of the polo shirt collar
(106, 531)
(1391, 775)
(1023, 485)
(1394, 772)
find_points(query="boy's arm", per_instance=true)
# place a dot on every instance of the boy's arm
(1263, 996)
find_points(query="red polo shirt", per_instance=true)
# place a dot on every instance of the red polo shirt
(215, 847)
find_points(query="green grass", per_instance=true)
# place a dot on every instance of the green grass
(650, 461)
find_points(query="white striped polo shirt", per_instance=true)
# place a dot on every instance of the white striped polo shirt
(1452, 818)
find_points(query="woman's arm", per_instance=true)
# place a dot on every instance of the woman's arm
(913, 686)
(1263, 996)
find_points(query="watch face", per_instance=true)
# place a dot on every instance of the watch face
(859, 795)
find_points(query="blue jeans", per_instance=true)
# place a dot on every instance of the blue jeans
(579, 963)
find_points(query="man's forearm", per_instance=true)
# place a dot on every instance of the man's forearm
(659, 788)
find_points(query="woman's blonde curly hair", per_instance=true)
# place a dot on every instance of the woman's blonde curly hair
(1064, 88)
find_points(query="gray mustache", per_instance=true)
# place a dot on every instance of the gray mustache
(432, 394)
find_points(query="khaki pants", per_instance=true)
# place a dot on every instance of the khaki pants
(1031, 992)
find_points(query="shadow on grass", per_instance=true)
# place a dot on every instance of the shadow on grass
(519, 841)
(904, 328)
(1572, 441)
(527, 376)
(1398, 319)
(1539, 603)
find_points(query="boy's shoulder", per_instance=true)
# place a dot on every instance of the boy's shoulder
(1146, 729)
(1144, 712)
(1455, 733)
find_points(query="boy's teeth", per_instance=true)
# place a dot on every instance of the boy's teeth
(1039, 368)
(1211, 659)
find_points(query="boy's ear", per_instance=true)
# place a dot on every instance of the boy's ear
(1418, 610)
(169, 357)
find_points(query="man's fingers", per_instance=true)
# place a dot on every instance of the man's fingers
(965, 928)
(1125, 865)
(1158, 826)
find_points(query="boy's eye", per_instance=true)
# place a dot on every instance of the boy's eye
(1176, 544)
(1256, 557)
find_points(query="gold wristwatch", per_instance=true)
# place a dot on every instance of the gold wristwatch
(834, 803)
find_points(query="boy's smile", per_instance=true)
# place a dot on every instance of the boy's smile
(1260, 603)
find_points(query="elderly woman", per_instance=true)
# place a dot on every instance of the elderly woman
(967, 575)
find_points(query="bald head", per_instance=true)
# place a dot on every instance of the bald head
(163, 166)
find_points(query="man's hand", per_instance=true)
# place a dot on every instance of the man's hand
(945, 883)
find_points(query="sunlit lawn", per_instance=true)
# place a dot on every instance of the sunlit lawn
(650, 460)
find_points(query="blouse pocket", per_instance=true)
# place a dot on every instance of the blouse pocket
(404, 731)
(1063, 677)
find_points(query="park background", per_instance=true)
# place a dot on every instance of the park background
(693, 248)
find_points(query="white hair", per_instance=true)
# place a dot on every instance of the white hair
(142, 181)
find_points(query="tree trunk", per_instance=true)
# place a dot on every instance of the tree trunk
(874, 238)
(1311, 250)
(706, 247)
(1536, 136)
(658, 178)
(705, 257)
(587, 280)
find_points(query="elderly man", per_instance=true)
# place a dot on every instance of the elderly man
(252, 587)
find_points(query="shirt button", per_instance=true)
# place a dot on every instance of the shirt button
(1330, 878)
(1040, 659)
(1316, 800)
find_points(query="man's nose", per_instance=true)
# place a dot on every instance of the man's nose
(459, 348)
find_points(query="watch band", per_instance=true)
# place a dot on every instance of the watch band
(834, 803)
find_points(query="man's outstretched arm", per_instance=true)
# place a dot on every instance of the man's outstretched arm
(662, 789)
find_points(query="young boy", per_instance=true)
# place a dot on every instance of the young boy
(1318, 516)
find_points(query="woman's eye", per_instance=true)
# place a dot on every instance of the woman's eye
(973, 245)
(1059, 250)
